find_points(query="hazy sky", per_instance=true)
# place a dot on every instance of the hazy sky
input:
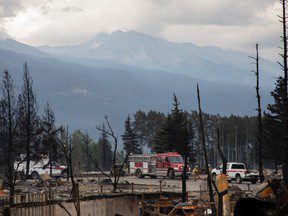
(235, 24)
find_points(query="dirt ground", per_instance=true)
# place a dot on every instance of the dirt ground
(176, 183)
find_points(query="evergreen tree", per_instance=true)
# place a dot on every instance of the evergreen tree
(173, 134)
(50, 132)
(29, 121)
(146, 126)
(87, 142)
(104, 152)
(272, 138)
(275, 145)
(9, 131)
(130, 140)
(283, 112)
(79, 150)
(140, 126)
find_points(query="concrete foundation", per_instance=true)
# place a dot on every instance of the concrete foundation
(126, 206)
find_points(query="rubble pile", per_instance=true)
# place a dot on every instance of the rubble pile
(235, 193)
(57, 187)
(60, 189)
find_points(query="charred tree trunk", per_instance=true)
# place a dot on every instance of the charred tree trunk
(209, 180)
(117, 172)
(260, 127)
(184, 173)
(285, 100)
(87, 151)
(9, 129)
(28, 131)
(28, 120)
(224, 161)
(67, 150)
(184, 177)
(259, 117)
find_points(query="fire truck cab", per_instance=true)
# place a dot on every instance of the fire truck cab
(161, 164)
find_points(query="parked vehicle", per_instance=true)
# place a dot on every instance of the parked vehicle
(43, 166)
(237, 171)
(162, 164)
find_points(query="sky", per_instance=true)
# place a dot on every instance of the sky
(229, 24)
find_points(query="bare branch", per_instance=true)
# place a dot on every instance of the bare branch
(252, 58)
(115, 138)
(280, 64)
(104, 131)
(109, 126)
(96, 165)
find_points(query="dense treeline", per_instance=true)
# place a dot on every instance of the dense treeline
(237, 134)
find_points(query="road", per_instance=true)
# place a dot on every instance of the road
(176, 184)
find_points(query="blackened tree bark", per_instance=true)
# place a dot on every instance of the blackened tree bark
(67, 150)
(209, 180)
(260, 126)
(187, 152)
(105, 153)
(183, 178)
(259, 116)
(28, 119)
(9, 130)
(184, 173)
(65, 145)
(116, 171)
(285, 99)
(224, 161)
(86, 142)
(50, 133)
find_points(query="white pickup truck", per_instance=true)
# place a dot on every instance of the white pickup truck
(41, 167)
(236, 171)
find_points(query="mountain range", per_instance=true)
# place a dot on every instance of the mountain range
(117, 74)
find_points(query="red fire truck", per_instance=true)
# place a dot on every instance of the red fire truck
(168, 164)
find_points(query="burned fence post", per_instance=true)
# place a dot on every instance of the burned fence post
(76, 193)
